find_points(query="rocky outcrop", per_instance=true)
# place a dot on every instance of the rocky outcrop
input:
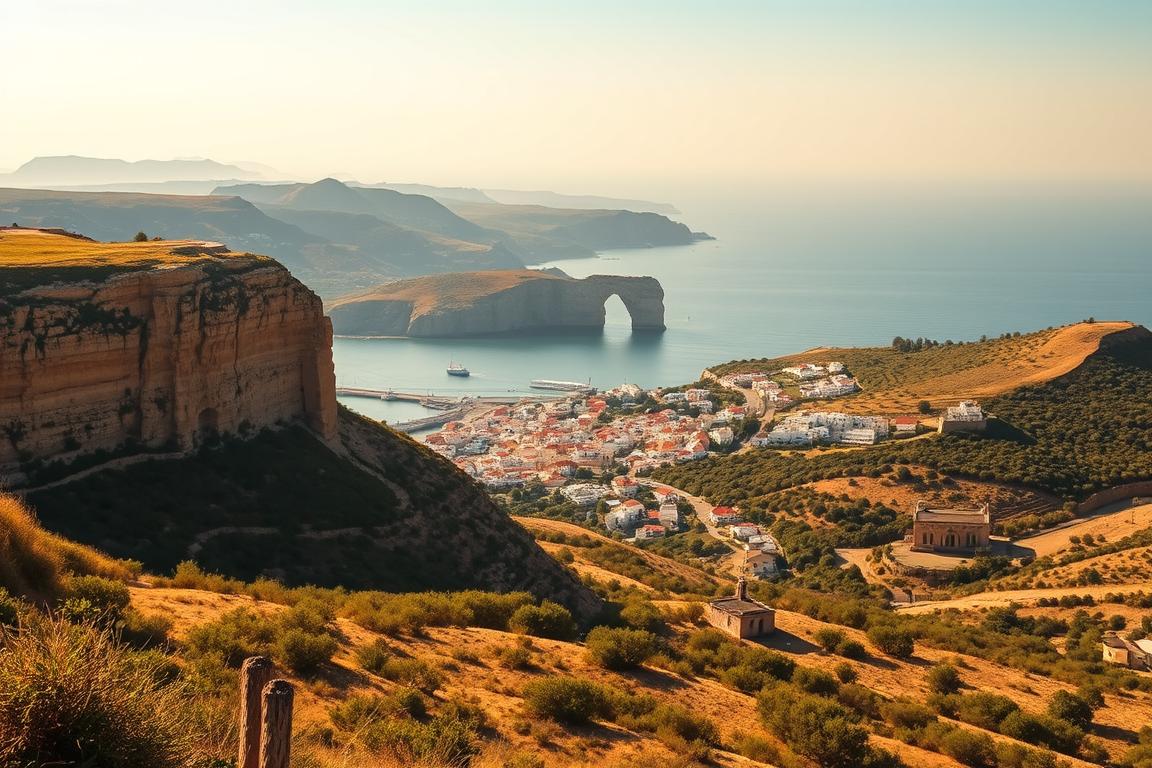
(163, 353)
(476, 303)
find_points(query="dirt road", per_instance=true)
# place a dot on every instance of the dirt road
(997, 599)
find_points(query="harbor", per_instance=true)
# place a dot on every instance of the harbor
(448, 408)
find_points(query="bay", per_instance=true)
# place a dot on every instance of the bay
(791, 272)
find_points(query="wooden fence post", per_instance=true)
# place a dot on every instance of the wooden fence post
(254, 675)
(276, 727)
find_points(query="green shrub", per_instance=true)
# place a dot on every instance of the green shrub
(1043, 731)
(861, 699)
(812, 680)
(566, 699)
(906, 715)
(982, 709)
(95, 599)
(374, 656)
(1140, 756)
(232, 637)
(894, 641)
(303, 652)
(548, 619)
(828, 638)
(145, 630)
(413, 673)
(620, 649)
(641, 614)
(441, 741)
(70, 696)
(943, 679)
(514, 657)
(851, 649)
(360, 710)
(815, 727)
(845, 672)
(10, 609)
(1070, 708)
(969, 748)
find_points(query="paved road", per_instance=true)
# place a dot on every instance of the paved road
(702, 508)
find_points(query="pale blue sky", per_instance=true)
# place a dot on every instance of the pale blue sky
(591, 95)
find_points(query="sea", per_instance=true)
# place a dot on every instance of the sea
(794, 269)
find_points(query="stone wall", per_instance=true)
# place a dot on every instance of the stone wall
(161, 357)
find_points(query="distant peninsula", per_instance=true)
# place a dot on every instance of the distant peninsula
(493, 302)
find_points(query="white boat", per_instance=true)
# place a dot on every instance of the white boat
(455, 369)
(562, 386)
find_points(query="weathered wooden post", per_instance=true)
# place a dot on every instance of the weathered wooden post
(276, 727)
(254, 675)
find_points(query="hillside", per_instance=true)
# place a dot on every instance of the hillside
(1050, 445)
(171, 401)
(381, 512)
(507, 301)
(345, 252)
(893, 381)
(34, 562)
(543, 233)
(407, 210)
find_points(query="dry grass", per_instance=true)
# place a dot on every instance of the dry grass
(33, 561)
(703, 582)
(34, 248)
(480, 680)
(447, 291)
(1113, 526)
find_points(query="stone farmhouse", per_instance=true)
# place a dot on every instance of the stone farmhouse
(741, 616)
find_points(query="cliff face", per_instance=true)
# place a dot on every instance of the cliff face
(469, 304)
(154, 353)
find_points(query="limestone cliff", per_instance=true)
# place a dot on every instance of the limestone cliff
(106, 347)
(475, 303)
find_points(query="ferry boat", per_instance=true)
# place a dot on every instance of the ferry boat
(563, 386)
(455, 369)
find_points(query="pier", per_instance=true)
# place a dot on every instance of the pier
(451, 408)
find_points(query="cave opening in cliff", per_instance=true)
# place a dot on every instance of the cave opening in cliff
(208, 426)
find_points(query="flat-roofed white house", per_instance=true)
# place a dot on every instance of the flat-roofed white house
(950, 531)
(968, 416)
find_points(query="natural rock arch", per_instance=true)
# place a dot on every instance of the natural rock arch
(643, 297)
(478, 303)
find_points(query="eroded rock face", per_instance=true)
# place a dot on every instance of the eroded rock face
(161, 357)
(539, 303)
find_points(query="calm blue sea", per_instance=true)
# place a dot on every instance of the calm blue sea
(788, 272)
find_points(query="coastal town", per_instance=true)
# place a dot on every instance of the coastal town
(594, 450)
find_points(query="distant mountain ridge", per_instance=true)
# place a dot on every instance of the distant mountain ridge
(75, 169)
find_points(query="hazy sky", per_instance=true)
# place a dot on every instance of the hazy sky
(620, 97)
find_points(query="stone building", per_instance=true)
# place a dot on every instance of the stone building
(741, 616)
(950, 531)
